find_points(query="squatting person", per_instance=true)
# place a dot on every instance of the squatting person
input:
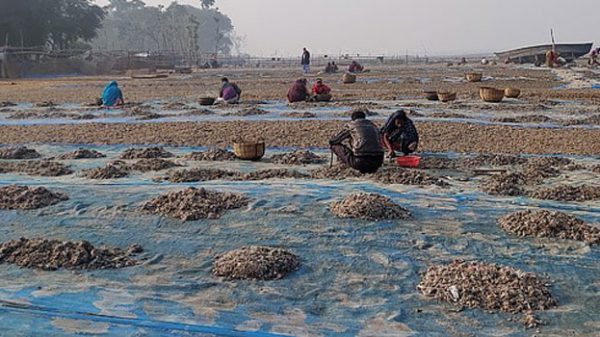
(365, 153)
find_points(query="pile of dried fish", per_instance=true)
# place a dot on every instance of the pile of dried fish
(54, 254)
(492, 160)
(295, 114)
(439, 163)
(337, 172)
(509, 184)
(152, 164)
(81, 154)
(524, 119)
(596, 169)
(211, 155)
(550, 161)
(567, 193)
(44, 168)
(112, 170)
(23, 197)
(406, 177)
(18, 153)
(299, 157)
(535, 172)
(151, 152)
(369, 207)
(544, 223)
(198, 112)
(366, 111)
(199, 174)
(486, 286)
(255, 262)
(248, 112)
(270, 174)
(193, 204)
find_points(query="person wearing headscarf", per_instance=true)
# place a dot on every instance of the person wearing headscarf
(230, 92)
(298, 92)
(112, 95)
(399, 134)
(355, 67)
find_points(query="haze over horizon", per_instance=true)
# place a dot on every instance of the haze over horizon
(390, 27)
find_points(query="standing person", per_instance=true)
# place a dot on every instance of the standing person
(399, 133)
(305, 60)
(112, 96)
(298, 92)
(365, 153)
(230, 92)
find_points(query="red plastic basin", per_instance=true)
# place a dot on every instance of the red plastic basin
(408, 161)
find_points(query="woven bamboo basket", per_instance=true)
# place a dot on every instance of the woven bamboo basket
(474, 77)
(512, 92)
(249, 150)
(431, 95)
(446, 96)
(206, 100)
(491, 95)
(349, 78)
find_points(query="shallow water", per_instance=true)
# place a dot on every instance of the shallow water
(357, 278)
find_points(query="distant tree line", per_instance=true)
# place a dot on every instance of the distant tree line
(56, 24)
(131, 25)
(121, 25)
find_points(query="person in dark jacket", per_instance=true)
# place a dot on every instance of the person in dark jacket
(399, 133)
(305, 60)
(298, 92)
(230, 92)
(365, 153)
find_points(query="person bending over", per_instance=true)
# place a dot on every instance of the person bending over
(112, 96)
(230, 92)
(399, 134)
(365, 153)
(298, 92)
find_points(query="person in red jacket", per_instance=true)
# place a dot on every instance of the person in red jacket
(321, 92)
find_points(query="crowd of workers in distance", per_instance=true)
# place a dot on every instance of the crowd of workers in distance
(361, 145)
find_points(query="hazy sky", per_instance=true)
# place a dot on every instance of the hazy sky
(393, 27)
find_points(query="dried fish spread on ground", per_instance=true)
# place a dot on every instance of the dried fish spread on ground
(509, 184)
(43, 168)
(270, 174)
(81, 154)
(337, 172)
(255, 262)
(567, 193)
(406, 177)
(299, 157)
(193, 204)
(199, 174)
(439, 163)
(211, 155)
(295, 114)
(54, 254)
(152, 164)
(151, 152)
(487, 286)
(113, 170)
(544, 223)
(366, 111)
(18, 153)
(492, 160)
(23, 197)
(369, 207)
(248, 112)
